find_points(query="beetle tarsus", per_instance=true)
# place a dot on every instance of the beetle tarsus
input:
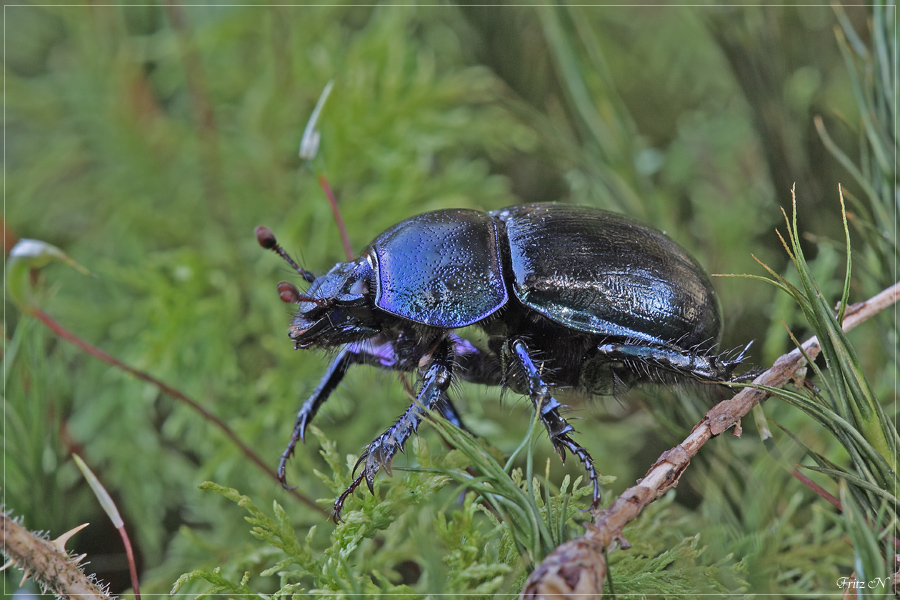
(747, 376)
(333, 376)
(379, 454)
(283, 463)
(687, 363)
(339, 503)
(564, 442)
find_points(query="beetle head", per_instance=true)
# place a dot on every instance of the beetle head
(337, 308)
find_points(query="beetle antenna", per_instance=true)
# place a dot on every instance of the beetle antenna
(267, 240)
(289, 294)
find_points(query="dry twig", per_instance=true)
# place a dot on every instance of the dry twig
(48, 562)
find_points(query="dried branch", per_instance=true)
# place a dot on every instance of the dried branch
(48, 562)
(579, 567)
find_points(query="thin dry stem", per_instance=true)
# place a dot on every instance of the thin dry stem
(132, 565)
(338, 219)
(578, 567)
(167, 389)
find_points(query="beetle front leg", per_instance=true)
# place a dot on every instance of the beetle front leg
(432, 395)
(548, 408)
(382, 355)
(333, 376)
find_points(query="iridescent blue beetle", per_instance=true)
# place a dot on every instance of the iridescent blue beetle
(567, 296)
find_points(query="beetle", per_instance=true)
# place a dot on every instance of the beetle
(567, 296)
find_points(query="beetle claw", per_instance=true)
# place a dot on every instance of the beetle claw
(563, 443)
(362, 458)
(560, 450)
(282, 465)
(748, 376)
(376, 456)
(284, 484)
(339, 503)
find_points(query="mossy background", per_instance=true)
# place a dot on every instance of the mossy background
(148, 142)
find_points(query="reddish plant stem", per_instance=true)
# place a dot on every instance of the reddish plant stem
(818, 489)
(132, 567)
(338, 219)
(206, 414)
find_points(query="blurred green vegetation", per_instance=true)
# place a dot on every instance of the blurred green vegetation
(149, 141)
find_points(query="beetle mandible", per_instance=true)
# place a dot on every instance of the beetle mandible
(567, 296)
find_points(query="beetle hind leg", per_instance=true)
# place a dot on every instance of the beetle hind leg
(647, 359)
(557, 427)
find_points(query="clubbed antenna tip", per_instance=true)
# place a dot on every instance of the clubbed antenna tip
(267, 240)
(265, 237)
(288, 292)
